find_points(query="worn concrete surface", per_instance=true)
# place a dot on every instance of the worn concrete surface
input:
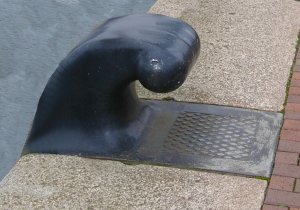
(247, 50)
(64, 182)
(35, 36)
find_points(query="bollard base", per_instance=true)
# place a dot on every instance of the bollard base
(195, 136)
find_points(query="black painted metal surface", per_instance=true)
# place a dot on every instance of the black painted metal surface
(89, 106)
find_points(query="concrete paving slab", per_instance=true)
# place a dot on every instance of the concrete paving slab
(64, 182)
(247, 51)
(35, 36)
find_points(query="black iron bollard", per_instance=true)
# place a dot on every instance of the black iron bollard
(89, 106)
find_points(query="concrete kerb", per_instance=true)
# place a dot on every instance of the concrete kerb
(66, 182)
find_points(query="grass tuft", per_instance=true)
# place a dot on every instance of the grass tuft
(290, 76)
(263, 178)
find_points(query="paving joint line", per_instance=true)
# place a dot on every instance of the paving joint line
(282, 194)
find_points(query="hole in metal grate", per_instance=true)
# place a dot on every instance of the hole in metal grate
(211, 135)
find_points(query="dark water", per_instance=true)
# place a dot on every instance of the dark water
(35, 35)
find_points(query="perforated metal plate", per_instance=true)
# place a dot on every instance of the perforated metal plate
(209, 137)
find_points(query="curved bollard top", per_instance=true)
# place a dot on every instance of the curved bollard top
(89, 105)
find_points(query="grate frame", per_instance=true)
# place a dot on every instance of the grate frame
(177, 132)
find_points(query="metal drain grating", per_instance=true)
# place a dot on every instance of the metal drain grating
(211, 135)
(207, 137)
